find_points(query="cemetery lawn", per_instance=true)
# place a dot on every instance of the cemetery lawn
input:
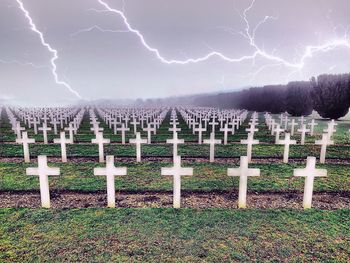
(99, 235)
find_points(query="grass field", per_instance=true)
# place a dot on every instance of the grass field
(99, 235)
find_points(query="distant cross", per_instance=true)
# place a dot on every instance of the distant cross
(177, 171)
(324, 142)
(213, 123)
(200, 130)
(310, 172)
(278, 130)
(330, 129)
(63, 141)
(25, 141)
(19, 130)
(303, 131)
(100, 141)
(135, 123)
(138, 141)
(243, 172)
(35, 123)
(175, 141)
(70, 130)
(43, 171)
(312, 125)
(110, 171)
(292, 124)
(286, 142)
(149, 131)
(252, 129)
(54, 122)
(45, 129)
(123, 129)
(250, 142)
(225, 130)
(212, 141)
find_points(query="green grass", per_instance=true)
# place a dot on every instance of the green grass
(146, 176)
(213, 235)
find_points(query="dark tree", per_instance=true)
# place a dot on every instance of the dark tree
(330, 95)
(298, 98)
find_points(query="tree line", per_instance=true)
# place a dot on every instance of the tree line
(328, 94)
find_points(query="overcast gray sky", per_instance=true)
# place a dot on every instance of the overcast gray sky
(117, 65)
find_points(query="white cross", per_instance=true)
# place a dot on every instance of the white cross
(243, 172)
(174, 128)
(200, 130)
(114, 123)
(149, 130)
(110, 171)
(123, 129)
(303, 131)
(175, 141)
(292, 126)
(177, 171)
(45, 129)
(212, 141)
(250, 142)
(63, 141)
(252, 129)
(213, 124)
(100, 141)
(330, 129)
(19, 130)
(286, 142)
(278, 130)
(138, 141)
(310, 172)
(312, 125)
(134, 123)
(25, 141)
(70, 130)
(54, 122)
(226, 129)
(43, 171)
(324, 142)
(35, 123)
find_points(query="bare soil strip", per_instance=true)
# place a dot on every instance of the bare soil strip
(197, 200)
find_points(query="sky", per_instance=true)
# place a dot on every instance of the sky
(99, 57)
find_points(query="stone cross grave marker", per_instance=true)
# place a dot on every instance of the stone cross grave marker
(250, 142)
(100, 141)
(303, 131)
(43, 171)
(25, 142)
(324, 142)
(286, 142)
(110, 171)
(138, 141)
(243, 172)
(212, 141)
(63, 141)
(310, 172)
(177, 171)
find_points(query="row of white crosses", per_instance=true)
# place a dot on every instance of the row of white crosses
(110, 171)
(35, 118)
(324, 142)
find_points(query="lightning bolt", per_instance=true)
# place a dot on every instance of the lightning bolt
(53, 51)
(248, 33)
(20, 63)
(98, 28)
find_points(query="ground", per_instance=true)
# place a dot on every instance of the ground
(145, 227)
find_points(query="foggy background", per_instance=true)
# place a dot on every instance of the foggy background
(105, 65)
